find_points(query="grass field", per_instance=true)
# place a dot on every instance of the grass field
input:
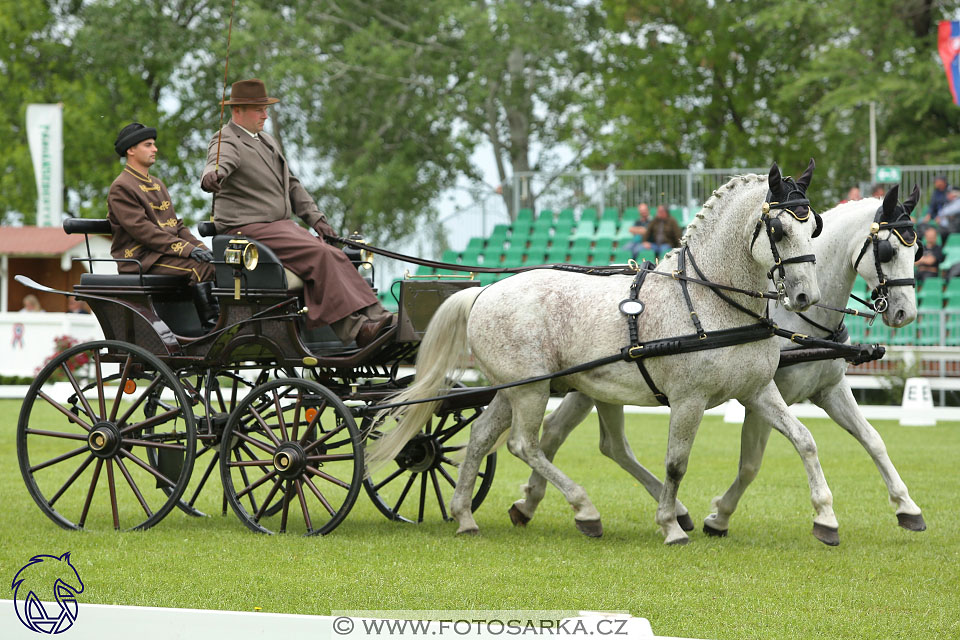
(769, 579)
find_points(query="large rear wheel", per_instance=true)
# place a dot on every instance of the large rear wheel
(111, 416)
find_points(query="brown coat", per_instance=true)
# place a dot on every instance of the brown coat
(668, 226)
(256, 183)
(145, 225)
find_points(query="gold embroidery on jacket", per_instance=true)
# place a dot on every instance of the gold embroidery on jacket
(145, 188)
(177, 246)
(162, 206)
(172, 222)
(128, 253)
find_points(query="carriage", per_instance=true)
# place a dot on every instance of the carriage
(280, 411)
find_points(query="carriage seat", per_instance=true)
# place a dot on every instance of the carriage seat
(268, 261)
(131, 280)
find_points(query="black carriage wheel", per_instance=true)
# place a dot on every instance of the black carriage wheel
(291, 458)
(83, 424)
(420, 480)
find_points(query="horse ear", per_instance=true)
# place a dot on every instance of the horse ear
(775, 180)
(890, 203)
(804, 181)
(65, 557)
(911, 202)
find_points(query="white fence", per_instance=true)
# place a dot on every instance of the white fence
(27, 339)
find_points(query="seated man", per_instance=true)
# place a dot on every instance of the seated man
(639, 230)
(146, 228)
(928, 266)
(663, 233)
(257, 197)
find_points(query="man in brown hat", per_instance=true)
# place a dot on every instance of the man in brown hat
(257, 197)
(146, 227)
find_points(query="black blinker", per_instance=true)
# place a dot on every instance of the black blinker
(885, 251)
(919, 253)
(775, 229)
(819, 227)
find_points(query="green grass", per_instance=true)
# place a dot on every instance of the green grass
(769, 579)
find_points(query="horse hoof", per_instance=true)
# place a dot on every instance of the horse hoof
(716, 533)
(517, 517)
(826, 535)
(590, 528)
(678, 541)
(473, 531)
(686, 522)
(911, 522)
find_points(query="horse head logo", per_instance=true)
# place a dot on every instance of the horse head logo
(46, 576)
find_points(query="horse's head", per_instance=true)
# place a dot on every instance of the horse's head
(781, 239)
(49, 570)
(886, 259)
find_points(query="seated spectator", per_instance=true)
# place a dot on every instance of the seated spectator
(937, 199)
(663, 233)
(852, 195)
(639, 230)
(947, 219)
(76, 306)
(31, 304)
(878, 191)
(929, 264)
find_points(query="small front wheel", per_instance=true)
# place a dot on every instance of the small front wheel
(291, 458)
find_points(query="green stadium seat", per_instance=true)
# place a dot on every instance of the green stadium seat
(952, 300)
(450, 256)
(601, 257)
(537, 256)
(486, 278)
(879, 332)
(928, 329)
(425, 271)
(471, 258)
(930, 298)
(611, 214)
(579, 256)
(562, 230)
(538, 244)
(607, 229)
(525, 216)
(951, 324)
(476, 243)
(565, 215)
(538, 236)
(520, 230)
(585, 229)
(590, 214)
(677, 214)
(603, 245)
(857, 328)
(544, 222)
(513, 257)
(904, 335)
(582, 243)
(933, 283)
(557, 254)
(953, 241)
(646, 254)
(491, 256)
(622, 256)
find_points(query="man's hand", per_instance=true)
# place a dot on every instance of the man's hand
(201, 255)
(211, 182)
(324, 229)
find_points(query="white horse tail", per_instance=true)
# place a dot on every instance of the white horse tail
(440, 361)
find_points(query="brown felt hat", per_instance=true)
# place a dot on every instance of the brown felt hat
(250, 91)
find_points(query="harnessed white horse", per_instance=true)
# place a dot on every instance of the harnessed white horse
(542, 322)
(851, 243)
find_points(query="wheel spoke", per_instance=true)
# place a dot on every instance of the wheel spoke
(327, 477)
(423, 495)
(113, 494)
(322, 439)
(446, 476)
(154, 445)
(320, 496)
(160, 418)
(296, 418)
(146, 467)
(59, 407)
(100, 391)
(133, 487)
(393, 476)
(76, 389)
(313, 423)
(403, 494)
(256, 483)
(331, 457)
(436, 489)
(270, 495)
(255, 442)
(303, 505)
(276, 403)
(246, 480)
(120, 388)
(203, 480)
(60, 458)
(140, 398)
(286, 508)
(90, 492)
(56, 434)
(70, 480)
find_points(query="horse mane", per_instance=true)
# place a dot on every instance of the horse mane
(709, 210)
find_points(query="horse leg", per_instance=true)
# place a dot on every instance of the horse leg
(839, 403)
(753, 442)
(483, 433)
(771, 408)
(528, 404)
(685, 419)
(614, 445)
(574, 408)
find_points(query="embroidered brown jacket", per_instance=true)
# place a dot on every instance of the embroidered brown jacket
(145, 225)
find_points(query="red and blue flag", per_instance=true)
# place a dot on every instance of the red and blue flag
(949, 45)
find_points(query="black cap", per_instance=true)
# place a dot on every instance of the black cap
(132, 134)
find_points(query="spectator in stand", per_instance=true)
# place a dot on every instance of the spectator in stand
(639, 230)
(852, 195)
(947, 219)
(878, 191)
(663, 233)
(928, 265)
(937, 199)
(31, 304)
(77, 306)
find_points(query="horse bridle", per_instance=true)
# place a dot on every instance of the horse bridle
(774, 228)
(884, 252)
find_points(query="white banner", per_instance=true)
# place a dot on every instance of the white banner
(45, 135)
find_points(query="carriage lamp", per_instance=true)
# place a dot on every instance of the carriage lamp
(240, 254)
(366, 256)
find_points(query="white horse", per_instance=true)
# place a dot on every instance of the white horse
(844, 249)
(545, 321)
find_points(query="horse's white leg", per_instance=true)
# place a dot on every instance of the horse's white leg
(685, 418)
(614, 445)
(574, 408)
(771, 408)
(483, 434)
(753, 442)
(839, 403)
(528, 404)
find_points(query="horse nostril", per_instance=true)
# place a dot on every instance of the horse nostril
(803, 301)
(899, 316)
